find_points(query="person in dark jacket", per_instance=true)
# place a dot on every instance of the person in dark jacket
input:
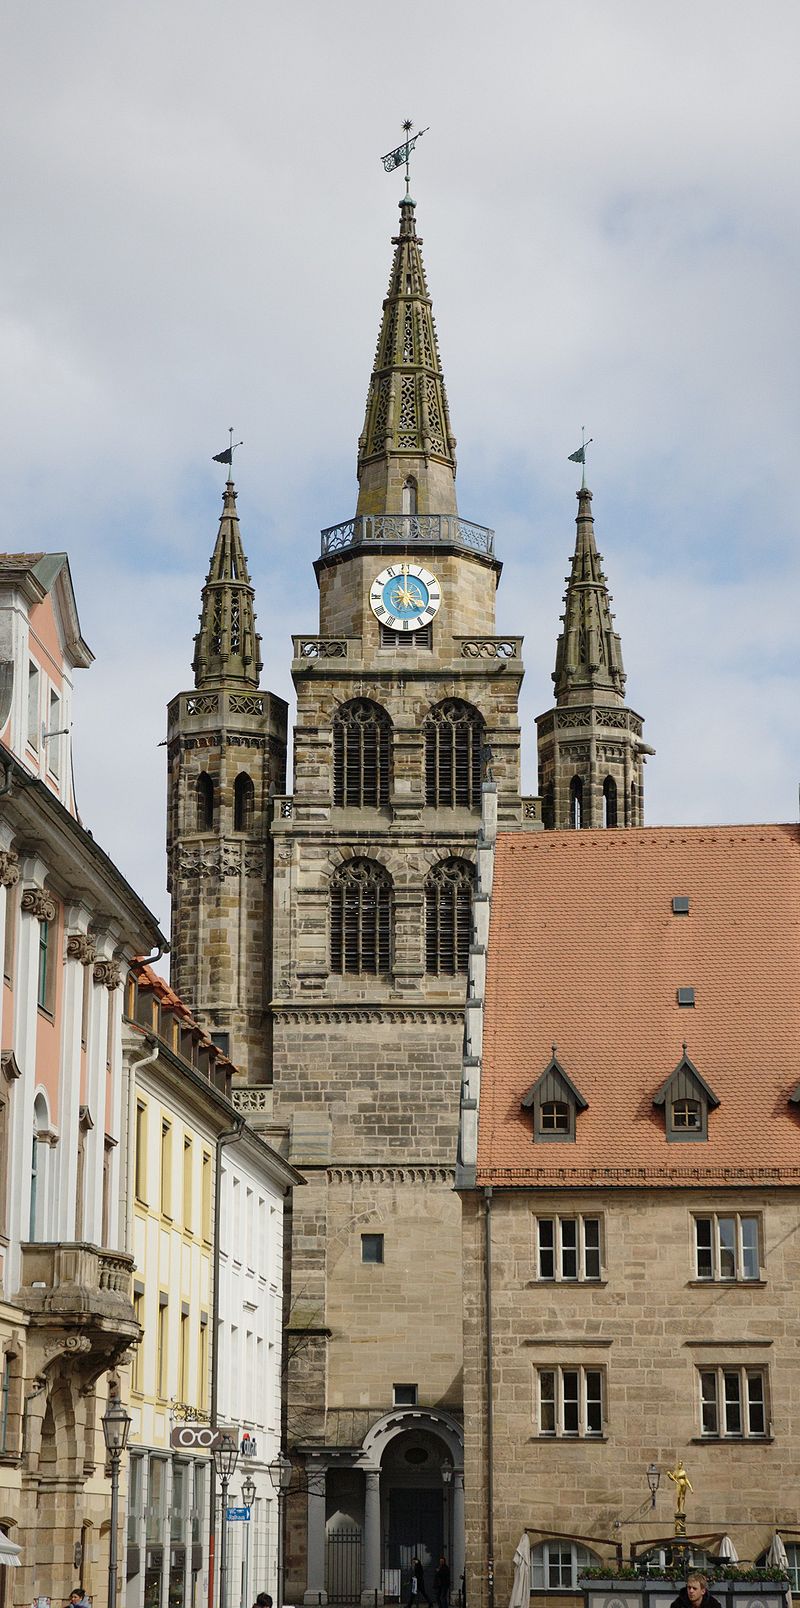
(417, 1592)
(695, 1594)
(441, 1582)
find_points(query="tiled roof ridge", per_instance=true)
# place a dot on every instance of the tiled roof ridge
(622, 834)
(151, 979)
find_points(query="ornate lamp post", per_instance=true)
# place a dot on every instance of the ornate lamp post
(280, 1473)
(226, 1456)
(116, 1426)
(248, 1498)
(653, 1480)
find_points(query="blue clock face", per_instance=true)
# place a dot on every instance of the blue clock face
(405, 597)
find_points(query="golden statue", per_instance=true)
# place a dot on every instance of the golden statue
(682, 1483)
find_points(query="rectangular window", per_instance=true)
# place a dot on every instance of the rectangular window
(733, 1403)
(183, 1359)
(54, 735)
(33, 733)
(156, 1499)
(203, 1361)
(10, 934)
(5, 1391)
(140, 1165)
(188, 1205)
(568, 1248)
(137, 1370)
(198, 1501)
(404, 1395)
(206, 1195)
(166, 1168)
(177, 1507)
(43, 987)
(163, 1345)
(570, 1402)
(134, 1498)
(372, 1247)
(727, 1247)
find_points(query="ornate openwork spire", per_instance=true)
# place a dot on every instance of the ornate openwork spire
(226, 647)
(406, 453)
(589, 652)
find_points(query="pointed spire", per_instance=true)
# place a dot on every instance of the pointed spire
(589, 652)
(406, 452)
(226, 647)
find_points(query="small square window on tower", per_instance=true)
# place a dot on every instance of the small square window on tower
(404, 1395)
(680, 904)
(372, 1247)
(686, 996)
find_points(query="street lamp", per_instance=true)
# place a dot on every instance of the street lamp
(248, 1491)
(653, 1480)
(226, 1456)
(116, 1425)
(248, 1498)
(280, 1474)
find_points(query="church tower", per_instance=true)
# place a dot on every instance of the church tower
(226, 748)
(591, 753)
(407, 698)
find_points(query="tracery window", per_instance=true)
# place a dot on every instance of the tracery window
(362, 751)
(244, 795)
(204, 792)
(453, 755)
(361, 919)
(448, 917)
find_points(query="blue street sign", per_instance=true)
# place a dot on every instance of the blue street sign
(237, 1513)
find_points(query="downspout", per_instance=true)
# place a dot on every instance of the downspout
(131, 1067)
(228, 1137)
(489, 1360)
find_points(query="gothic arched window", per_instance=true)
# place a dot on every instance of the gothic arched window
(576, 803)
(361, 919)
(244, 798)
(410, 496)
(362, 751)
(609, 802)
(204, 792)
(448, 918)
(453, 755)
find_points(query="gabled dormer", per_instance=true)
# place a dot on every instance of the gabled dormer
(686, 1099)
(556, 1103)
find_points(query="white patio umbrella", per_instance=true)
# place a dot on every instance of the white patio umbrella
(777, 1559)
(727, 1550)
(521, 1589)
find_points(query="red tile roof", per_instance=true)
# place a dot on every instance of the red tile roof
(585, 952)
(150, 981)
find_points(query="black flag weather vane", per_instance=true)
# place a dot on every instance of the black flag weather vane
(227, 455)
(395, 159)
(580, 455)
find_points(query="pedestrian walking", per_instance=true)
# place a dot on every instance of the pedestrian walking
(441, 1583)
(417, 1592)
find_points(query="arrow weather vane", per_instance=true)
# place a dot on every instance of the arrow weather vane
(395, 159)
(580, 455)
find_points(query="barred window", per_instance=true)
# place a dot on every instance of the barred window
(205, 802)
(448, 918)
(362, 745)
(453, 755)
(361, 919)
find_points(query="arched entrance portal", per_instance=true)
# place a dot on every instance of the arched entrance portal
(416, 1509)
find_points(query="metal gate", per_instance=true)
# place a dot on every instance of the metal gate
(343, 1566)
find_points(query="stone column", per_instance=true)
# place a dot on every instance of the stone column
(315, 1581)
(371, 1584)
(457, 1567)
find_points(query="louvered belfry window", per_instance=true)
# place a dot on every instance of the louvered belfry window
(361, 919)
(453, 755)
(362, 752)
(448, 918)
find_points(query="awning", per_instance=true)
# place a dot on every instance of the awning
(10, 1553)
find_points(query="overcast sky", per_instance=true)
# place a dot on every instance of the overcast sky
(196, 233)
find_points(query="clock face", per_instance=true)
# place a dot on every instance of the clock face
(405, 596)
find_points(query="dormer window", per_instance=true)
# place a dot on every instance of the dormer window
(686, 1099)
(555, 1103)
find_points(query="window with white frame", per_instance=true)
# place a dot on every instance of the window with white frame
(570, 1402)
(793, 1562)
(727, 1246)
(556, 1565)
(568, 1248)
(733, 1403)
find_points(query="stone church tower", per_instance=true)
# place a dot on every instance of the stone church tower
(406, 699)
(591, 753)
(226, 754)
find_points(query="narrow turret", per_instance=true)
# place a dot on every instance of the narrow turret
(226, 647)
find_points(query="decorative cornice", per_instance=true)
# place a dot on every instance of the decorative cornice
(635, 1177)
(287, 1012)
(36, 902)
(107, 974)
(220, 860)
(389, 1175)
(9, 1067)
(9, 868)
(259, 1099)
(81, 947)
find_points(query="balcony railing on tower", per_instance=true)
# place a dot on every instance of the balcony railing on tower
(408, 530)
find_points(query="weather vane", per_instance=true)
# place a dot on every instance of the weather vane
(580, 455)
(227, 455)
(395, 159)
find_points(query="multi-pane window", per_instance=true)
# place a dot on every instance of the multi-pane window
(362, 751)
(687, 1116)
(727, 1247)
(554, 1117)
(448, 918)
(454, 734)
(570, 1402)
(568, 1248)
(792, 1561)
(556, 1565)
(43, 984)
(733, 1402)
(361, 919)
